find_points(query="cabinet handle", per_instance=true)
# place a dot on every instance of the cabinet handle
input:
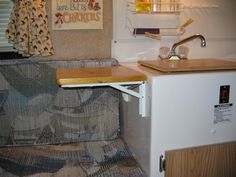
(162, 164)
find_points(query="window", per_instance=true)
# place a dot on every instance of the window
(5, 11)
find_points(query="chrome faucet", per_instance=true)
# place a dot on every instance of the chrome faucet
(174, 56)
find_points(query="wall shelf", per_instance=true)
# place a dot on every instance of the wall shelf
(172, 8)
(155, 7)
(164, 6)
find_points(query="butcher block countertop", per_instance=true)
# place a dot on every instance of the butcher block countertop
(189, 65)
(74, 76)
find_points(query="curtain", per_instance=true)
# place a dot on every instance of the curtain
(28, 28)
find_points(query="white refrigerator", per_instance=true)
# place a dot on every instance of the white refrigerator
(186, 110)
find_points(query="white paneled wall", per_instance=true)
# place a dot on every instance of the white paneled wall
(215, 19)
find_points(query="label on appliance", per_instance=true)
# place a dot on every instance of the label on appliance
(223, 113)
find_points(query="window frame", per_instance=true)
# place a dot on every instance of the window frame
(5, 12)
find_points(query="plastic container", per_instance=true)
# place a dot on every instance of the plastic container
(143, 6)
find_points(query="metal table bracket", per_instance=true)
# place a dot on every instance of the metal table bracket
(122, 86)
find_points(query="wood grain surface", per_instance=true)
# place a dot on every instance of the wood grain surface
(208, 161)
(72, 76)
(189, 65)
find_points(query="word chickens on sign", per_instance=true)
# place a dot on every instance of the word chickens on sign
(77, 14)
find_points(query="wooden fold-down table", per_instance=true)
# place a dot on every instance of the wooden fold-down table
(80, 76)
(118, 77)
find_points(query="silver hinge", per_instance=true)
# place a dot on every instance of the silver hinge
(162, 164)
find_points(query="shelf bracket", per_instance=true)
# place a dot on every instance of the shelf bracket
(126, 90)
(122, 86)
(141, 95)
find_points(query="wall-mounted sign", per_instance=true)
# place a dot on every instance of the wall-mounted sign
(77, 14)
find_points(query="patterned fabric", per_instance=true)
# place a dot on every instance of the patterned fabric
(86, 159)
(28, 28)
(3, 97)
(34, 110)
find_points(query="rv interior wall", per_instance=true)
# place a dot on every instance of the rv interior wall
(209, 19)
